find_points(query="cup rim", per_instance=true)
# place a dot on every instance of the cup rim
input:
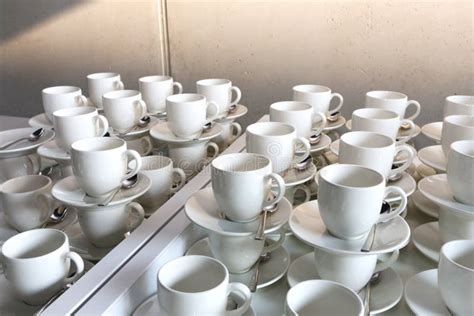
(75, 111)
(256, 129)
(457, 99)
(348, 139)
(457, 120)
(455, 244)
(122, 94)
(82, 144)
(217, 162)
(296, 106)
(363, 112)
(311, 88)
(155, 79)
(61, 90)
(213, 82)
(185, 98)
(386, 95)
(27, 179)
(461, 146)
(103, 75)
(161, 160)
(327, 169)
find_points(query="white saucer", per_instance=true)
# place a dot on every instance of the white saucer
(433, 156)
(427, 240)
(307, 225)
(323, 143)
(162, 132)
(139, 131)
(424, 171)
(82, 246)
(40, 121)
(240, 111)
(68, 191)
(406, 183)
(52, 151)
(294, 176)
(433, 130)
(425, 205)
(24, 147)
(422, 294)
(335, 125)
(270, 272)
(385, 294)
(402, 133)
(437, 189)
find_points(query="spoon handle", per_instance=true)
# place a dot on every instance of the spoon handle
(370, 239)
(13, 142)
(367, 300)
(109, 198)
(255, 275)
(261, 228)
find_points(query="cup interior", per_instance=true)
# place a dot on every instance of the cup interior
(102, 75)
(291, 106)
(155, 162)
(460, 120)
(185, 97)
(270, 129)
(376, 114)
(213, 82)
(95, 144)
(240, 162)
(367, 140)
(74, 111)
(192, 274)
(61, 90)
(390, 95)
(351, 176)
(464, 147)
(311, 88)
(155, 78)
(120, 94)
(461, 99)
(33, 243)
(25, 184)
(460, 253)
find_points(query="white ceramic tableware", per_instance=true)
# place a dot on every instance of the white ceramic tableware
(374, 151)
(188, 113)
(26, 201)
(37, 264)
(230, 132)
(456, 127)
(100, 164)
(319, 97)
(77, 123)
(123, 109)
(455, 225)
(163, 176)
(456, 276)
(60, 97)
(350, 198)
(220, 92)
(155, 90)
(101, 83)
(19, 166)
(198, 285)
(427, 239)
(393, 101)
(278, 142)
(142, 145)
(459, 105)
(242, 183)
(381, 121)
(433, 131)
(433, 157)
(460, 170)
(192, 157)
(299, 115)
(321, 297)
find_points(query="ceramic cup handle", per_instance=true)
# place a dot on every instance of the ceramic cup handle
(417, 109)
(141, 109)
(182, 179)
(118, 85)
(306, 190)
(215, 147)
(34, 164)
(298, 143)
(412, 131)
(382, 265)
(146, 142)
(240, 290)
(103, 126)
(81, 100)
(399, 209)
(411, 155)
(238, 95)
(130, 156)
(274, 246)
(341, 101)
(322, 122)
(236, 131)
(137, 208)
(215, 112)
(281, 189)
(79, 263)
(179, 86)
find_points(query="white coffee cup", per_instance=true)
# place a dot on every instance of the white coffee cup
(192, 157)
(106, 226)
(242, 183)
(240, 252)
(155, 90)
(278, 142)
(374, 151)
(393, 101)
(456, 127)
(37, 264)
(73, 124)
(230, 132)
(198, 285)
(381, 121)
(61, 97)
(123, 109)
(350, 198)
(142, 145)
(319, 97)
(456, 276)
(460, 170)
(100, 164)
(160, 171)
(459, 105)
(220, 92)
(26, 201)
(19, 166)
(350, 269)
(299, 115)
(187, 114)
(101, 83)
(322, 297)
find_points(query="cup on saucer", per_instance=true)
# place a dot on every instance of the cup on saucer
(155, 90)
(230, 132)
(142, 145)
(19, 166)
(460, 170)
(192, 157)
(220, 92)
(123, 109)
(101, 83)
(459, 105)
(319, 97)
(61, 97)
(456, 127)
(392, 101)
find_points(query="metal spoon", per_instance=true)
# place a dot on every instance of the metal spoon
(59, 213)
(264, 257)
(232, 109)
(395, 177)
(405, 126)
(126, 184)
(314, 139)
(142, 122)
(333, 117)
(261, 228)
(31, 138)
(367, 246)
(303, 165)
(374, 279)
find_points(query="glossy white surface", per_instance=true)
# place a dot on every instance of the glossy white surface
(427, 240)
(433, 130)
(40, 120)
(393, 101)
(460, 170)
(433, 157)
(137, 131)
(425, 205)
(100, 83)
(319, 97)
(219, 91)
(162, 131)
(24, 147)
(239, 111)
(456, 127)
(52, 151)
(155, 90)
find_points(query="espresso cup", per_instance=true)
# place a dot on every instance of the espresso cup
(198, 285)
(142, 145)
(374, 151)
(350, 198)
(456, 276)
(160, 171)
(392, 101)
(322, 297)
(192, 157)
(61, 97)
(459, 105)
(299, 115)
(460, 170)
(106, 226)
(155, 90)
(278, 142)
(77, 123)
(37, 264)
(100, 164)
(26, 201)
(239, 253)
(319, 97)
(350, 269)
(19, 166)
(242, 183)
(456, 127)
(220, 92)
(381, 121)
(455, 225)
(230, 132)
(187, 114)
(101, 83)
(123, 109)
